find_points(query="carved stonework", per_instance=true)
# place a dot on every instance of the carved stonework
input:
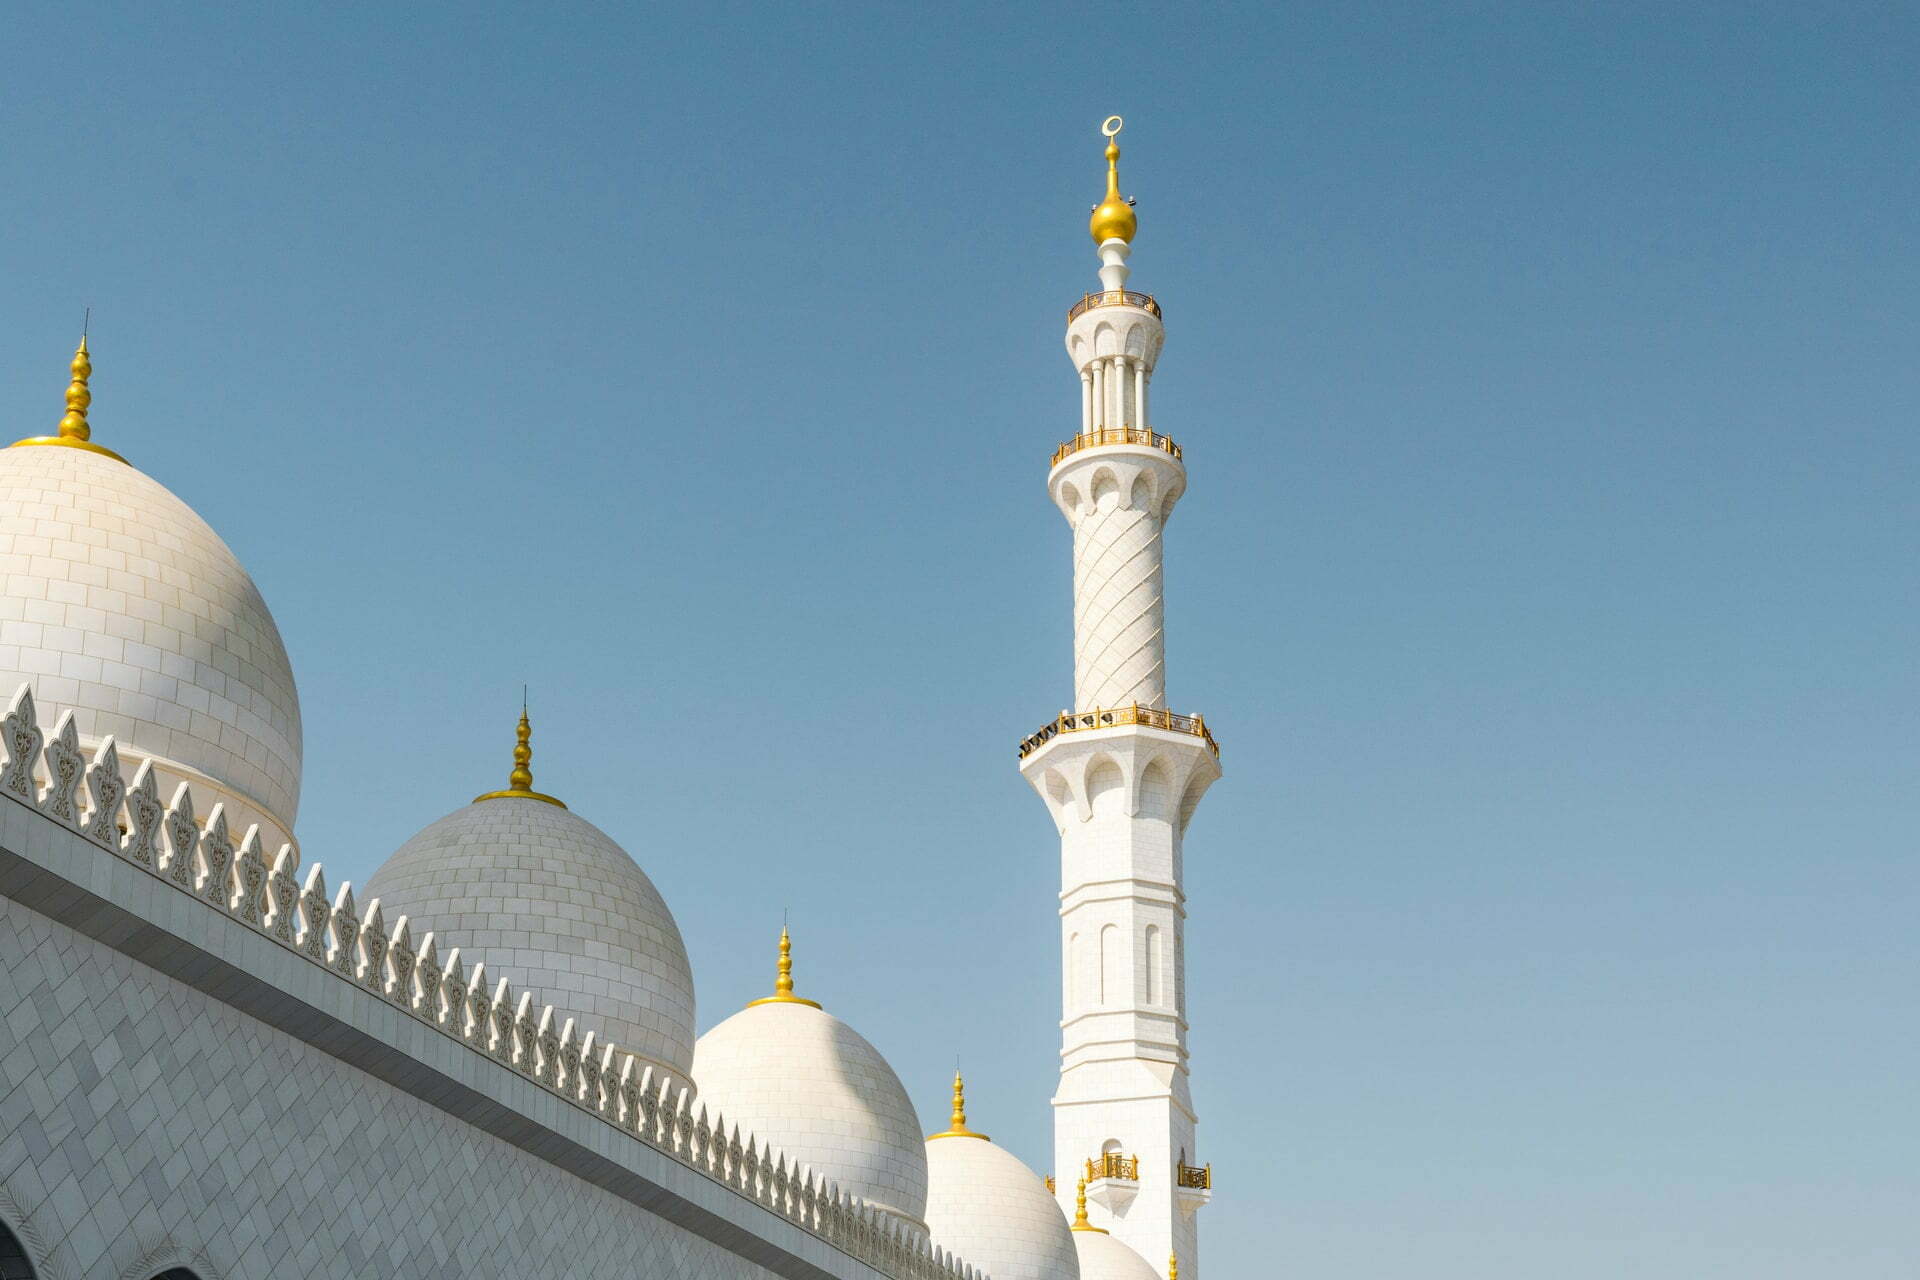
(216, 855)
(183, 833)
(145, 817)
(21, 731)
(106, 790)
(65, 766)
(250, 879)
(283, 894)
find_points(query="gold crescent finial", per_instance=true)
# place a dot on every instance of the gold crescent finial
(1173, 1266)
(1080, 1222)
(1113, 218)
(957, 1123)
(520, 781)
(783, 983)
(75, 432)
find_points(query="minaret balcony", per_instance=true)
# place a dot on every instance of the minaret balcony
(1114, 717)
(1116, 435)
(1192, 1187)
(1113, 1180)
(1114, 298)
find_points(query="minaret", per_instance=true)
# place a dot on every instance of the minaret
(1121, 775)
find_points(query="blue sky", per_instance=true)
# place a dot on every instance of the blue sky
(1547, 380)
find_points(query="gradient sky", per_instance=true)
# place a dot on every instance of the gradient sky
(1547, 376)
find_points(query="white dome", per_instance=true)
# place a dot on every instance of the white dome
(811, 1087)
(554, 906)
(123, 606)
(993, 1212)
(1104, 1258)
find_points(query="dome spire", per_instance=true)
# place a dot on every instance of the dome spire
(783, 984)
(1113, 218)
(75, 432)
(1173, 1266)
(520, 781)
(957, 1124)
(1080, 1222)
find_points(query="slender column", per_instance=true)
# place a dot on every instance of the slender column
(1116, 376)
(1140, 394)
(1099, 370)
(1086, 401)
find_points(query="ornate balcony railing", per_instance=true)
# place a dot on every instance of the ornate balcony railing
(1114, 1165)
(1115, 435)
(1198, 1177)
(1110, 717)
(1113, 298)
(1050, 1186)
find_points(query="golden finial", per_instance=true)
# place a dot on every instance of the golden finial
(1173, 1266)
(75, 433)
(783, 984)
(1080, 1222)
(957, 1124)
(74, 425)
(520, 781)
(1113, 217)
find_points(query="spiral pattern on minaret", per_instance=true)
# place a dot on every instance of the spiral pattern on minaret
(1119, 653)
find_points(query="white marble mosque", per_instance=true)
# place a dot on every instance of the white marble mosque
(484, 1062)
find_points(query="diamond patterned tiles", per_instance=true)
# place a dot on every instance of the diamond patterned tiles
(138, 1115)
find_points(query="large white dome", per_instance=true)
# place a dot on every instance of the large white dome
(811, 1087)
(988, 1208)
(1104, 1258)
(554, 906)
(120, 604)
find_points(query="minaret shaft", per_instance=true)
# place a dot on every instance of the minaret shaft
(1121, 776)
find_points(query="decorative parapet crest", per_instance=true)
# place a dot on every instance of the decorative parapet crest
(355, 946)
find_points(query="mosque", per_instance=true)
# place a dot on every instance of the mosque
(484, 1062)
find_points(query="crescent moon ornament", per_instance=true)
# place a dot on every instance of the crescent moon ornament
(1112, 125)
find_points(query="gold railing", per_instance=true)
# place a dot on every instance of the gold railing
(1109, 717)
(1114, 1165)
(1113, 298)
(1199, 1177)
(1050, 1189)
(1115, 435)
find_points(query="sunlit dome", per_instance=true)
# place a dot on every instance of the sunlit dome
(123, 606)
(987, 1207)
(811, 1087)
(1101, 1256)
(549, 902)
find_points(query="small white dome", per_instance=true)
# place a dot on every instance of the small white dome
(808, 1085)
(1104, 1258)
(992, 1211)
(120, 604)
(554, 906)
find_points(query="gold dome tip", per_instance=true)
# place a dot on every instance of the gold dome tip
(1173, 1266)
(75, 432)
(783, 983)
(520, 781)
(1113, 218)
(1080, 1222)
(957, 1123)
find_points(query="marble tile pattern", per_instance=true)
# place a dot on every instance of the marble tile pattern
(137, 1115)
(988, 1207)
(554, 905)
(813, 1087)
(118, 602)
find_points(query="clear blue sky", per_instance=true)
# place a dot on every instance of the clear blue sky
(1548, 381)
